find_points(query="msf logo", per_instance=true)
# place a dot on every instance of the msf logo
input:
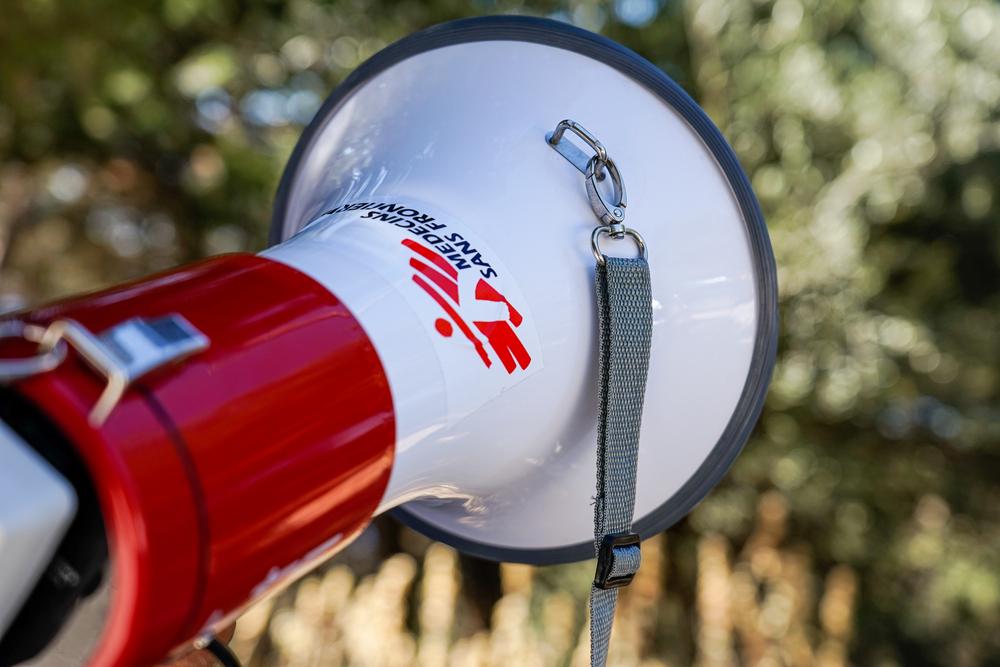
(496, 319)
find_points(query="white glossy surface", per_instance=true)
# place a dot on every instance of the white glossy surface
(462, 128)
(36, 507)
(436, 381)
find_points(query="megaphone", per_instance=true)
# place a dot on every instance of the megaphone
(419, 339)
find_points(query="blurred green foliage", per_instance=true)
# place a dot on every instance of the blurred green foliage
(138, 134)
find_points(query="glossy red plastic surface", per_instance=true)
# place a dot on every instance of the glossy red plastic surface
(268, 451)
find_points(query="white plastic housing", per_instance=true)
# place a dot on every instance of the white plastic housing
(36, 507)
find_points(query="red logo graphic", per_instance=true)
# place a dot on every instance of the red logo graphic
(440, 280)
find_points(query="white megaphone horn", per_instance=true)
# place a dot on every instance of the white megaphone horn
(420, 338)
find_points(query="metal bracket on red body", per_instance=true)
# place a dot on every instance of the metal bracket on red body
(126, 351)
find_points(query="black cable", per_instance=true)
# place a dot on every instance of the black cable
(222, 653)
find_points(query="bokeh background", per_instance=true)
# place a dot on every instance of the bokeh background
(862, 523)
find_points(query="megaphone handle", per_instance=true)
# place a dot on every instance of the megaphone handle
(624, 307)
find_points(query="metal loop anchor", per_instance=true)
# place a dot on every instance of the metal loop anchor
(555, 137)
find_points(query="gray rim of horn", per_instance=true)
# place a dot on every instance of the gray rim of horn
(559, 35)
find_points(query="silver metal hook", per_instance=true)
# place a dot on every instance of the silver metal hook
(611, 213)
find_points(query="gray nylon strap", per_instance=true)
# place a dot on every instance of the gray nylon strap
(624, 304)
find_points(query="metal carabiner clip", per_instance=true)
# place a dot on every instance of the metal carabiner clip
(610, 213)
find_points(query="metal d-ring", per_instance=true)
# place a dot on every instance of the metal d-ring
(595, 242)
(48, 357)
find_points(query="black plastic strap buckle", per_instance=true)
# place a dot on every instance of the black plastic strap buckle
(603, 579)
